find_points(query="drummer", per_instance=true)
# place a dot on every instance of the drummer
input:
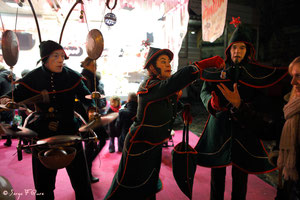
(55, 117)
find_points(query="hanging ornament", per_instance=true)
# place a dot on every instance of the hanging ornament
(235, 21)
(110, 19)
(146, 43)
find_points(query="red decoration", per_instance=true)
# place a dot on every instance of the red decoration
(146, 43)
(235, 21)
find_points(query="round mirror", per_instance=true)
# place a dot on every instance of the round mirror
(94, 44)
(10, 47)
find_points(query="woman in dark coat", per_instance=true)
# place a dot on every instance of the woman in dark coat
(138, 173)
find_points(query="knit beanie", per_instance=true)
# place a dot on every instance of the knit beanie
(47, 47)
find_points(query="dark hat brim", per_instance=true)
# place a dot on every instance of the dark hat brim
(158, 53)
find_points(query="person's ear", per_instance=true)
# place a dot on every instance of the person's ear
(151, 67)
(47, 63)
(153, 70)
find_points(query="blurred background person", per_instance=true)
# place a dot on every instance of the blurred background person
(112, 131)
(126, 117)
(6, 116)
(93, 80)
(93, 83)
(24, 113)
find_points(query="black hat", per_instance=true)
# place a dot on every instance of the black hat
(154, 53)
(252, 74)
(47, 47)
(241, 34)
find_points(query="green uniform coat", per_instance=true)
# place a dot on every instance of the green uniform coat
(232, 136)
(138, 173)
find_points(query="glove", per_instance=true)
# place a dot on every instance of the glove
(186, 114)
(215, 102)
(215, 61)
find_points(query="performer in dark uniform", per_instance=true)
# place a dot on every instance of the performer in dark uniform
(138, 173)
(91, 149)
(239, 116)
(93, 83)
(55, 117)
(126, 117)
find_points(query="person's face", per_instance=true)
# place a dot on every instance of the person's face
(91, 115)
(163, 63)
(295, 73)
(114, 103)
(55, 61)
(238, 51)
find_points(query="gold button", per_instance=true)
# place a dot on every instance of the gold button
(51, 109)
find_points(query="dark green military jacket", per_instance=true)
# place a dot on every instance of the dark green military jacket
(62, 88)
(233, 136)
(138, 173)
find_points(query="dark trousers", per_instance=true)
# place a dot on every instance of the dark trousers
(44, 178)
(112, 144)
(92, 149)
(290, 191)
(239, 184)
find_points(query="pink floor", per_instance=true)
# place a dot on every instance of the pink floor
(20, 175)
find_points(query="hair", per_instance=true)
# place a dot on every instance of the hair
(115, 98)
(149, 71)
(292, 64)
(153, 62)
(86, 62)
(132, 96)
(295, 61)
(98, 74)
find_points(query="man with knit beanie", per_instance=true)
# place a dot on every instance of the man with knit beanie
(55, 117)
